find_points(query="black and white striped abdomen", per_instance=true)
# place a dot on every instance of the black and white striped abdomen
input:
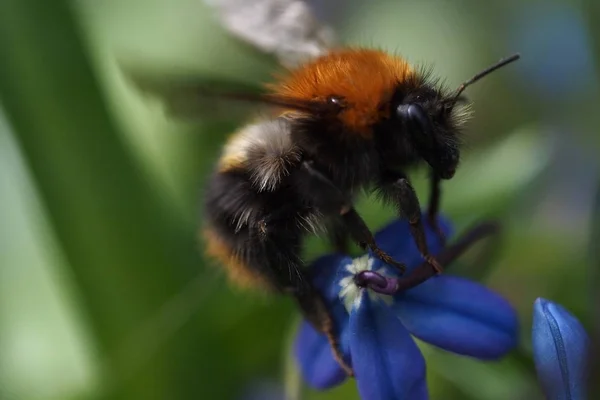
(265, 151)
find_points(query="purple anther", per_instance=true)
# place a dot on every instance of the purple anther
(376, 282)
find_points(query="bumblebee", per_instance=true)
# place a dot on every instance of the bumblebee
(348, 121)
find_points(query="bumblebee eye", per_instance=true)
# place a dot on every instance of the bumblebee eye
(418, 122)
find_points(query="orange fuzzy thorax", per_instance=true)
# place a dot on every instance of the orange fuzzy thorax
(364, 78)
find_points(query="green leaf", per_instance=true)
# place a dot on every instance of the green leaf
(124, 253)
(491, 176)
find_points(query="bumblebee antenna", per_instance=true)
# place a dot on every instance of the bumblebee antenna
(483, 73)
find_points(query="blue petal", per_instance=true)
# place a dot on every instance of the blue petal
(314, 356)
(387, 363)
(311, 348)
(323, 274)
(396, 240)
(560, 348)
(460, 316)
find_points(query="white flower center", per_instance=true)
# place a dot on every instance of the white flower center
(350, 293)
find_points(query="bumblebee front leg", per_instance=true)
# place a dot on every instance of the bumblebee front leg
(363, 236)
(330, 200)
(398, 190)
(434, 206)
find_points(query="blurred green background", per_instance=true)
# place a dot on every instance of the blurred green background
(103, 292)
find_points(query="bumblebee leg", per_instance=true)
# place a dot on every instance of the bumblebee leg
(422, 272)
(275, 253)
(398, 189)
(330, 200)
(315, 311)
(364, 237)
(434, 206)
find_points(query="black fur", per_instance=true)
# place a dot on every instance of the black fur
(273, 222)
(272, 253)
(265, 227)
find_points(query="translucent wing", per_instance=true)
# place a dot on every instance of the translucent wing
(213, 98)
(287, 29)
(187, 97)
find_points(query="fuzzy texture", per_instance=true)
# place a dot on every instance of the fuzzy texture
(271, 154)
(236, 269)
(364, 79)
(262, 191)
(342, 129)
(265, 149)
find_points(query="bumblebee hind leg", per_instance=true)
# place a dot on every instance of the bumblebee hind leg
(279, 248)
(315, 311)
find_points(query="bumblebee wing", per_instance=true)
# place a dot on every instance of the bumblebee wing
(214, 98)
(194, 98)
(288, 29)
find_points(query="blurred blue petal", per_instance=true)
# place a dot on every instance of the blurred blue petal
(387, 363)
(314, 356)
(460, 316)
(555, 40)
(396, 240)
(560, 348)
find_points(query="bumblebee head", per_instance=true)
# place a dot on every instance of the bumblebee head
(433, 131)
(432, 119)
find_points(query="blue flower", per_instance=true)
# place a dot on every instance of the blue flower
(375, 329)
(560, 349)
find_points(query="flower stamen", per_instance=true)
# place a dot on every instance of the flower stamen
(376, 282)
